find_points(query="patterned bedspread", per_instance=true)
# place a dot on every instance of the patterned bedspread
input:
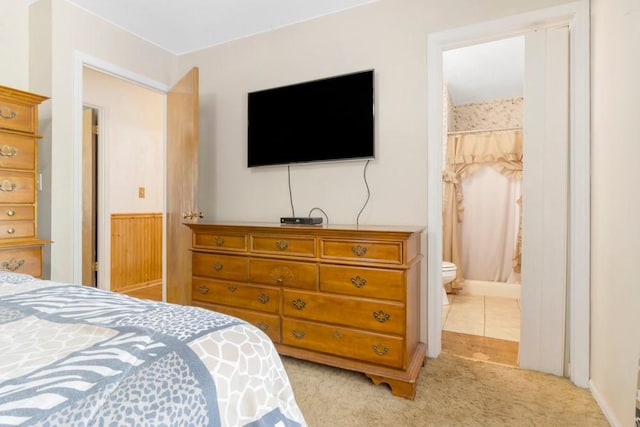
(77, 356)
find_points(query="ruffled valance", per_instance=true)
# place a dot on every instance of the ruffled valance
(466, 154)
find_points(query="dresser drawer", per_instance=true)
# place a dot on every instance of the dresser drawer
(217, 266)
(284, 273)
(363, 313)
(16, 213)
(346, 342)
(222, 242)
(17, 152)
(279, 245)
(363, 282)
(26, 260)
(267, 323)
(365, 251)
(17, 116)
(17, 229)
(17, 187)
(260, 298)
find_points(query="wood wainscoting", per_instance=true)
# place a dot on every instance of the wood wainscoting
(136, 254)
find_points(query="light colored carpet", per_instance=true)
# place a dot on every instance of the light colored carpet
(451, 392)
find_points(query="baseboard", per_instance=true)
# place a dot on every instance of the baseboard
(491, 289)
(602, 403)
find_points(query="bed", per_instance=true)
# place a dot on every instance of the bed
(78, 356)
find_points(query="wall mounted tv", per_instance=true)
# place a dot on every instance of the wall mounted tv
(321, 120)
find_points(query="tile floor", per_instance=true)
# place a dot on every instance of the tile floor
(481, 315)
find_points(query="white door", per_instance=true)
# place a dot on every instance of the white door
(545, 207)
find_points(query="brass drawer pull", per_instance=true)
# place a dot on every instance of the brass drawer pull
(8, 151)
(13, 264)
(232, 288)
(11, 230)
(264, 298)
(359, 250)
(7, 113)
(7, 186)
(381, 316)
(282, 245)
(337, 334)
(219, 241)
(218, 266)
(279, 280)
(380, 350)
(11, 212)
(358, 281)
(297, 333)
(264, 327)
(203, 290)
(298, 304)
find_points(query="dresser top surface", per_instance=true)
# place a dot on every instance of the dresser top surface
(311, 229)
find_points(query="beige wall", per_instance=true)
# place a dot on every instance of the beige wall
(389, 36)
(67, 33)
(615, 203)
(14, 44)
(132, 131)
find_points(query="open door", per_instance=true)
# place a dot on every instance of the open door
(89, 197)
(182, 184)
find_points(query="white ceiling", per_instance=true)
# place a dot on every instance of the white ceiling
(487, 71)
(182, 26)
(476, 73)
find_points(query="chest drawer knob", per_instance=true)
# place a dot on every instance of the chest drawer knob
(282, 245)
(264, 298)
(11, 230)
(380, 349)
(219, 241)
(297, 334)
(203, 290)
(8, 151)
(218, 266)
(359, 250)
(381, 316)
(298, 304)
(232, 288)
(13, 264)
(7, 113)
(358, 281)
(11, 212)
(7, 186)
(337, 334)
(264, 327)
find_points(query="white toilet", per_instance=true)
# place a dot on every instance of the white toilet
(448, 274)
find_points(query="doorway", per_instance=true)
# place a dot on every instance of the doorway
(576, 15)
(483, 98)
(122, 189)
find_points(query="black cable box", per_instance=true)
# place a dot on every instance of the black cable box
(301, 220)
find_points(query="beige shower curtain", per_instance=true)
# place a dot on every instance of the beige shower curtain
(466, 153)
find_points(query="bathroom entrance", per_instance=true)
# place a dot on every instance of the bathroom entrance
(483, 100)
(548, 262)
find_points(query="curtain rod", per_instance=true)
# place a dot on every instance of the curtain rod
(458, 132)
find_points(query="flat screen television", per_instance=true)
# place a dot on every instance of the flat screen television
(321, 120)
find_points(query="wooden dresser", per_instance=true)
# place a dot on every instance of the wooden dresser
(338, 295)
(20, 249)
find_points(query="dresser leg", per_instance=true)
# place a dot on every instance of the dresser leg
(399, 388)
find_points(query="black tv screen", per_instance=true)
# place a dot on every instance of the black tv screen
(320, 120)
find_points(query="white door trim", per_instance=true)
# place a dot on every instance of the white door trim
(82, 60)
(576, 15)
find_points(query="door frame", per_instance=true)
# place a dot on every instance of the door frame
(82, 60)
(576, 15)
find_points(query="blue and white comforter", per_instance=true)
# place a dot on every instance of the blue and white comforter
(77, 356)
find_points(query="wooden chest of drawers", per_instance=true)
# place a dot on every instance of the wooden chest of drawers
(20, 248)
(343, 296)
